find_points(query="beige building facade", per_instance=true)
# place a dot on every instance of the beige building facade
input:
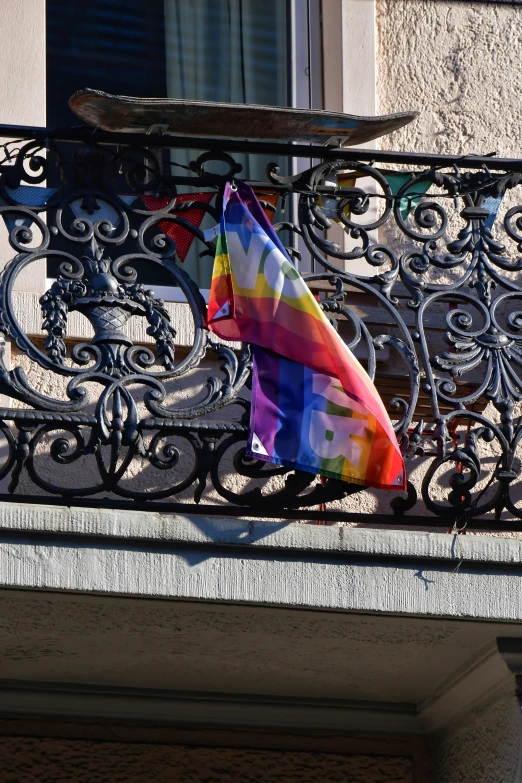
(138, 643)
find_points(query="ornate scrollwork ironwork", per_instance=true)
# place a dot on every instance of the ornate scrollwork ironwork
(424, 273)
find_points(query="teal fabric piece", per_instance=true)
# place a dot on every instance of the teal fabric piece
(407, 205)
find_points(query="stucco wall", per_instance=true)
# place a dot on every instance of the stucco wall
(25, 760)
(485, 748)
(456, 63)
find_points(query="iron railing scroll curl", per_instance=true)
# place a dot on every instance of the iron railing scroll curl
(418, 267)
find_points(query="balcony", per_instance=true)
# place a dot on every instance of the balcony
(137, 609)
(121, 400)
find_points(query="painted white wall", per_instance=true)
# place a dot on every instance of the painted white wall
(349, 51)
(358, 57)
(22, 75)
(22, 94)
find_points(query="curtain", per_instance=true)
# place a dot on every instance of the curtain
(233, 51)
(227, 50)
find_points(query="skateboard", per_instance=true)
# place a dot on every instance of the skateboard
(230, 120)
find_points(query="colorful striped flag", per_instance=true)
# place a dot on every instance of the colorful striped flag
(314, 407)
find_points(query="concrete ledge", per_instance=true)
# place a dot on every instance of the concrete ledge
(294, 565)
(200, 530)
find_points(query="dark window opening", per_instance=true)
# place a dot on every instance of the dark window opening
(222, 50)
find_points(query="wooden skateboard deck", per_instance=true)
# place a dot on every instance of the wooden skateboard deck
(230, 120)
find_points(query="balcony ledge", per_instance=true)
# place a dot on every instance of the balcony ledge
(135, 553)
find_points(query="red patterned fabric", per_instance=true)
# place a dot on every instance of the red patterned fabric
(271, 198)
(181, 236)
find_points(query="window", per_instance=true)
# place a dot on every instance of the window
(112, 45)
(221, 50)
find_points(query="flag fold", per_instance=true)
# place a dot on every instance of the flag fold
(313, 406)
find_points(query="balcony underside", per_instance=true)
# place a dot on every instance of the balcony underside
(151, 627)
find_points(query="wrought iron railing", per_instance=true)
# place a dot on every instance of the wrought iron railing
(421, 277)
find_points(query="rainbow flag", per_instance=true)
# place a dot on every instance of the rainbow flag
(314, 407)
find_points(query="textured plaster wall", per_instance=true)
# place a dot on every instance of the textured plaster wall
(456, 63)
(191, 646)
(484, 748)
(25, 760)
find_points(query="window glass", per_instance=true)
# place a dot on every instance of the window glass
(232, 51)
(227, 50)
(112, 45)
(211, 50)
